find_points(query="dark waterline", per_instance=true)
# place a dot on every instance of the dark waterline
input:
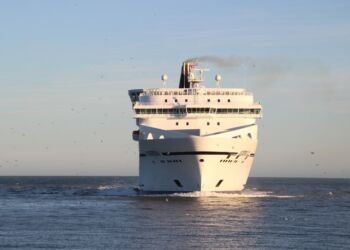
(105, 213)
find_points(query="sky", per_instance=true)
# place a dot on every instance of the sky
(66, 67)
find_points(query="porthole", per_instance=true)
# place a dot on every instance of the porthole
(208, 123)
(218, 123)
(208, 100)
(177, 124)
(218, 100)
(201, 160)
(228, 100)
(166, 100)
(187, 123)
(175, 100)
(185, 100)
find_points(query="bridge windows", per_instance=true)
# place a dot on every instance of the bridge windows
(204, 110)
(221, 111)
(198, 110)
(244, 111)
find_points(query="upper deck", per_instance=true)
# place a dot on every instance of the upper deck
(192, 97)
(195, 91)
(198, 101)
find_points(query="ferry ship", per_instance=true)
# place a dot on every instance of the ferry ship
(194, 138)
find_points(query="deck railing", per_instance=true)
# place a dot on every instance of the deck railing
(194, 91)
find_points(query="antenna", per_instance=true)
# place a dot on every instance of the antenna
(164, 79)
(218, 79)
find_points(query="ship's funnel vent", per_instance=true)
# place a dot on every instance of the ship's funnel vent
(185, 73)
(191, 77)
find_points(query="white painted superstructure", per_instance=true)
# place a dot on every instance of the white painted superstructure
(194, 138)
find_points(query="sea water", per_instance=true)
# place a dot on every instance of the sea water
(106, 213)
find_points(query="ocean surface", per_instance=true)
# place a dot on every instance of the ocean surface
(106, 213)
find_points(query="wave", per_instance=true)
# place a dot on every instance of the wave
(121, 189)
(129, 191)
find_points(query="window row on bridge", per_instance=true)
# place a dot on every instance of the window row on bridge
(198, 110)
(193, 92)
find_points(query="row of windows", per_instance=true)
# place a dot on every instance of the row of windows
(187, 123)
(193, 92)
(197, 110)
(208, 100)
(171, 161)
(168, 161)
(228, 161)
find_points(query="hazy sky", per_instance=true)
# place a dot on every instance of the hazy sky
(66, 66)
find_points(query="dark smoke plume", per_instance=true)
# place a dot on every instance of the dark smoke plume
(264, 73)
(228, 62)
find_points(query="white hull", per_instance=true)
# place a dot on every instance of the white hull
(195, 164)
(194, 138)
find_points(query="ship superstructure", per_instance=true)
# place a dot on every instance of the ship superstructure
(194, 138)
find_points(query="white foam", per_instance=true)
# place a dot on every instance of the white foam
(106, 187)
(243, 194)
(255, 194)
(116, 190)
